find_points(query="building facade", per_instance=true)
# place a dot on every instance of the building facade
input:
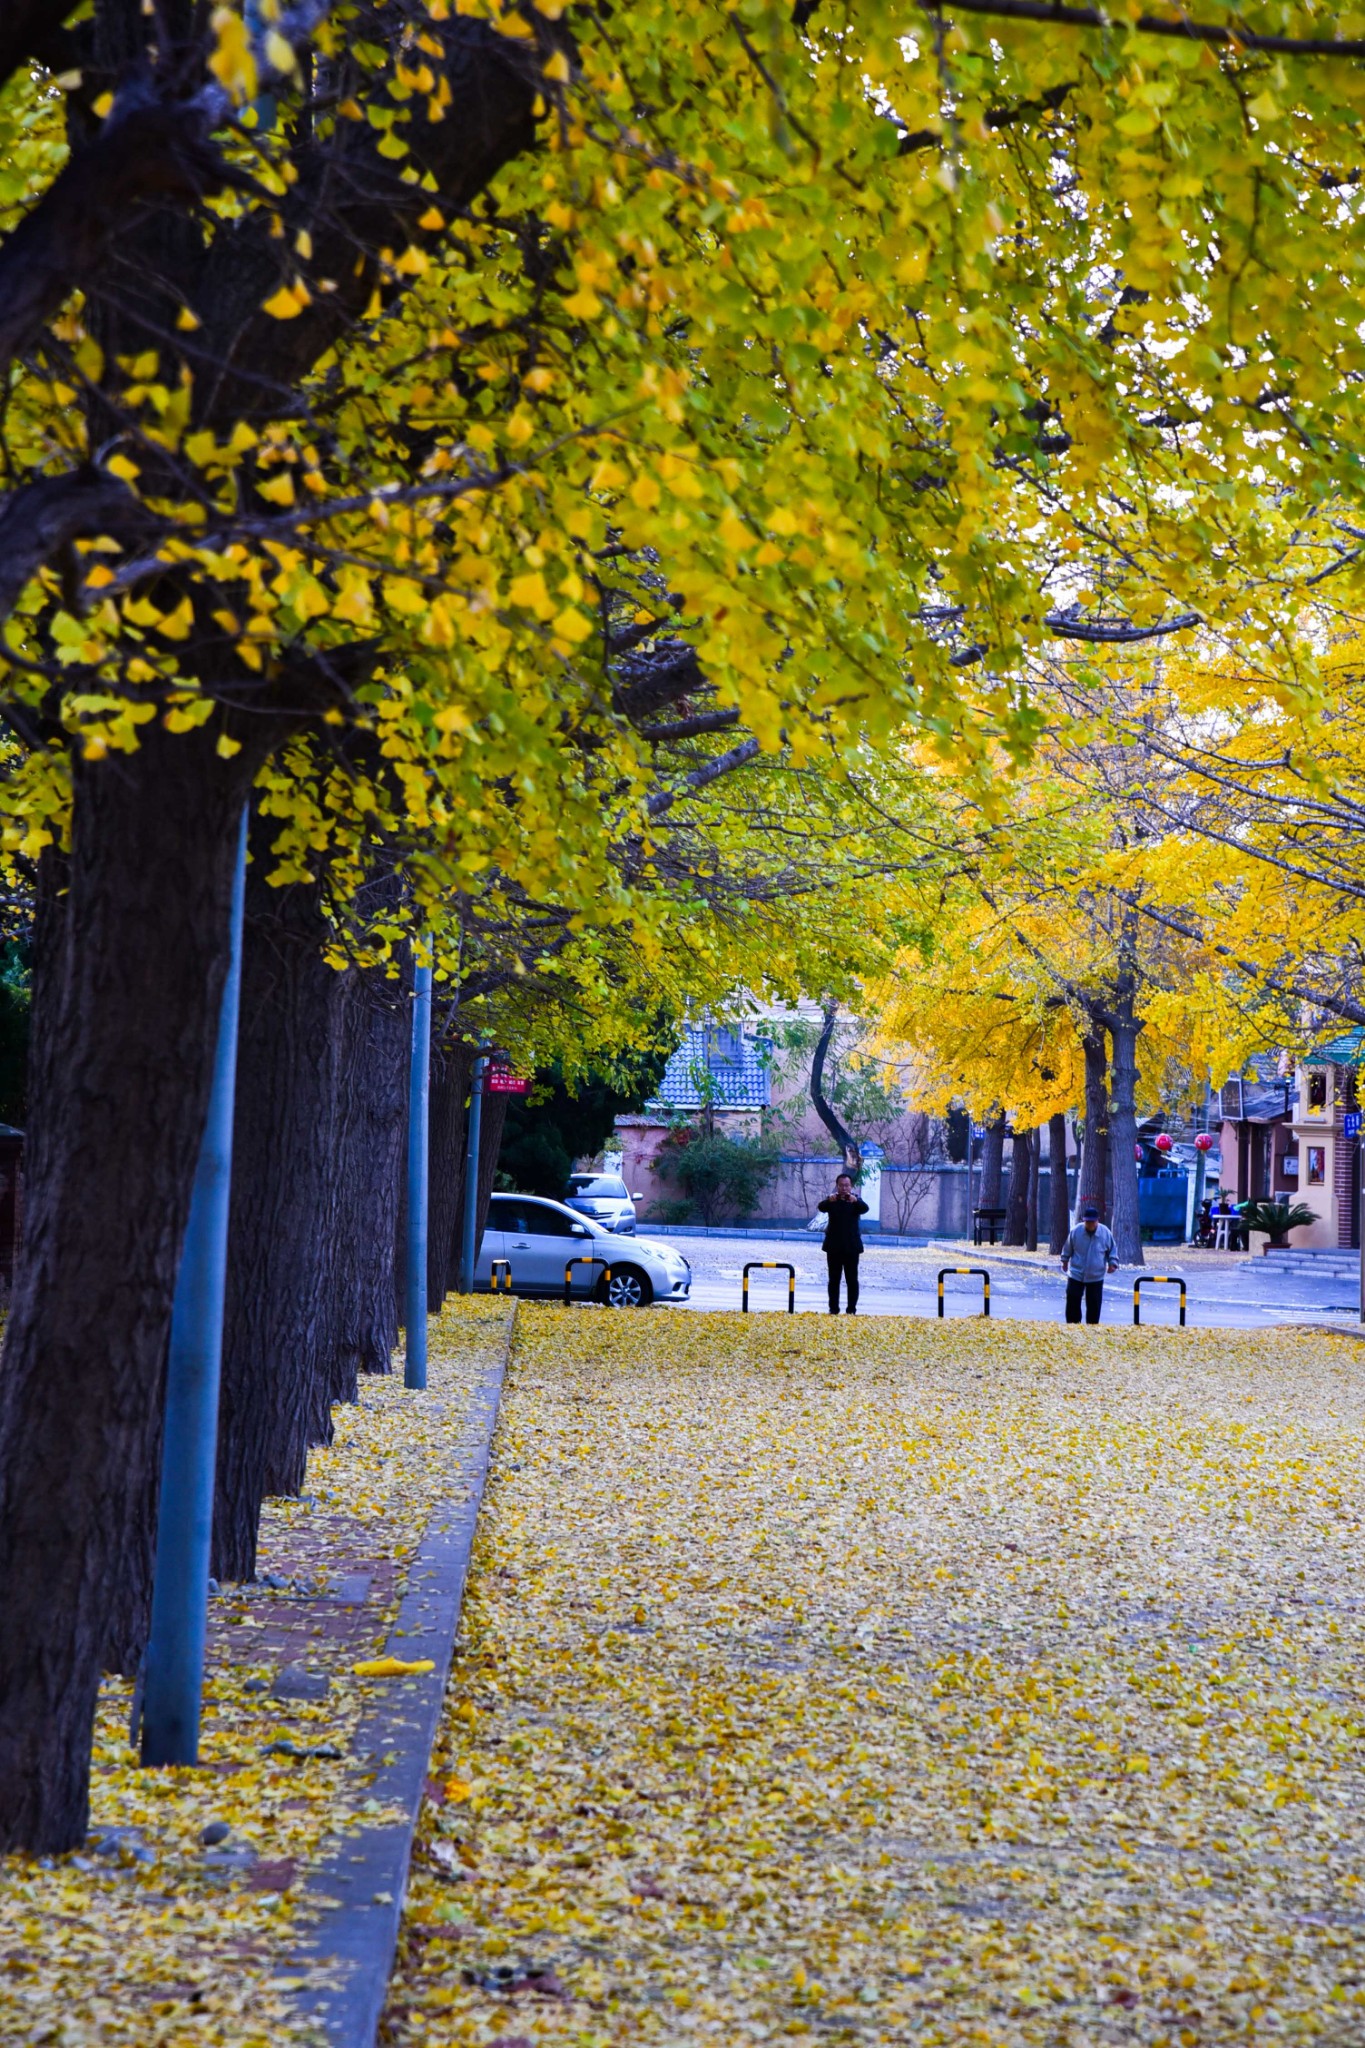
(1326, 1141)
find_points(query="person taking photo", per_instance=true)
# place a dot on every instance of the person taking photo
(843, 1241)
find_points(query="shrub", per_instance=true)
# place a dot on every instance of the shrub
(1277, 1219)
(721, 1177)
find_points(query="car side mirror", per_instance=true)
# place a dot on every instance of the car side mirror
(638, 1196)
(579, 1230)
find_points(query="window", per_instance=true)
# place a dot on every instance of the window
(1317, 1165)
(538, 1219)
(604, 1184)
(526, 1218)
(724, 1047)
(1317, 1092)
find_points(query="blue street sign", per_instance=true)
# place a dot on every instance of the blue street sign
(1350, 1123)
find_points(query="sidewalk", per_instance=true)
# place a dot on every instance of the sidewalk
(204, 1908)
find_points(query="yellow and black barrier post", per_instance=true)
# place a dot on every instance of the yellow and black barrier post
(774, 1266)
(1157, 1280)
(982, 1274)
(500, 1275)
(583, 1259)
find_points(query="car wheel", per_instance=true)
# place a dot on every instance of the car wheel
(628, 1287)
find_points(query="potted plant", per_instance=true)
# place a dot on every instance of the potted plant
(1277, 1219)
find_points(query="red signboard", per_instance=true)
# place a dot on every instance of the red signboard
(501, 1082)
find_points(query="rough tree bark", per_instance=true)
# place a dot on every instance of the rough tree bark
(1059, 1204)
(373, 1129)
(277, 1368)
(126, 1000)
(1124, 1221)
(992, 1162)
(1095, 1145)
(451, 1068)
(491, 1123)
(1016, 1203)
(1035, 1168)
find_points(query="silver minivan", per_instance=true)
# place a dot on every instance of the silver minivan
(604, 1197)
(538, 1239)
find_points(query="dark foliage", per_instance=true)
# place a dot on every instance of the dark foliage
(547, 1131)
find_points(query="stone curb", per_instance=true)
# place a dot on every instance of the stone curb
(353, 1944)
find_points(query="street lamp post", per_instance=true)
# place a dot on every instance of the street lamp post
(174, 1673)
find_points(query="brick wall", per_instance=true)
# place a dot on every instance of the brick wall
(1345, 1167)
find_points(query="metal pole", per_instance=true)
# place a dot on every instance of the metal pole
(1360, 1217)
(174, 1677)
(419, 1094)
(971, 1144)
(469, 1251)
(1197, 1197)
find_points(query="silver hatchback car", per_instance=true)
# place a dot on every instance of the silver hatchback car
(538, 1239)
(604, 1197)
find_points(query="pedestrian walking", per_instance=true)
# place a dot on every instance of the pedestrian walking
(1088, 1254)
(843, 1241)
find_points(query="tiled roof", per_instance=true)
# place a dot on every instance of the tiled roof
(1346, 1051)
(734, 1066)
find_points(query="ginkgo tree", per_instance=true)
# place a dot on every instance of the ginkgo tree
(385, 369)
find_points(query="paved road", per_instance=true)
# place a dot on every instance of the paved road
(1224, 1292)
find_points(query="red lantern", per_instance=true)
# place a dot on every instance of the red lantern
(1204, 1142)
(1164, 1142)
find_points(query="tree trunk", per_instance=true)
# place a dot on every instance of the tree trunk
(1016, 1207)
(824, 1109)
(370, 1145)
(1035, 1168)
(1124, 1221)
(1095, 1149)
(277, 1368)
(451, 1070)
(126, 998)
(992, 1162)
(491, 1121)
(1059, 1202)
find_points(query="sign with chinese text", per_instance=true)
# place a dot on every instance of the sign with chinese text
(502, 1081)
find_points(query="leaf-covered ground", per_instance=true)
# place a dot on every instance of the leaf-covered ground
(889, 1682)
(154, 1937)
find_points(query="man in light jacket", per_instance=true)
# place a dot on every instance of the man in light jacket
(1088, 1254)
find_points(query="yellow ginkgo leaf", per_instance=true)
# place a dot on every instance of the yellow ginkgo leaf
(285, 304)
(391, 1667)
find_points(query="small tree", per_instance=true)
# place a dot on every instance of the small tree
(1277, 1219)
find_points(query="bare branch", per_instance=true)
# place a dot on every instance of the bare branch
(40, 519)
(1068, 625)
(151, 147)
(702, 778)
(689, 728)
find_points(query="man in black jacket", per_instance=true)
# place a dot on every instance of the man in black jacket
(843, 1241)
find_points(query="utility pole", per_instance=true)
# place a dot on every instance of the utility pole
(419, 1093)
(174, 1672)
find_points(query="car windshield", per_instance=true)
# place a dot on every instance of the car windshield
(605, 1185)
